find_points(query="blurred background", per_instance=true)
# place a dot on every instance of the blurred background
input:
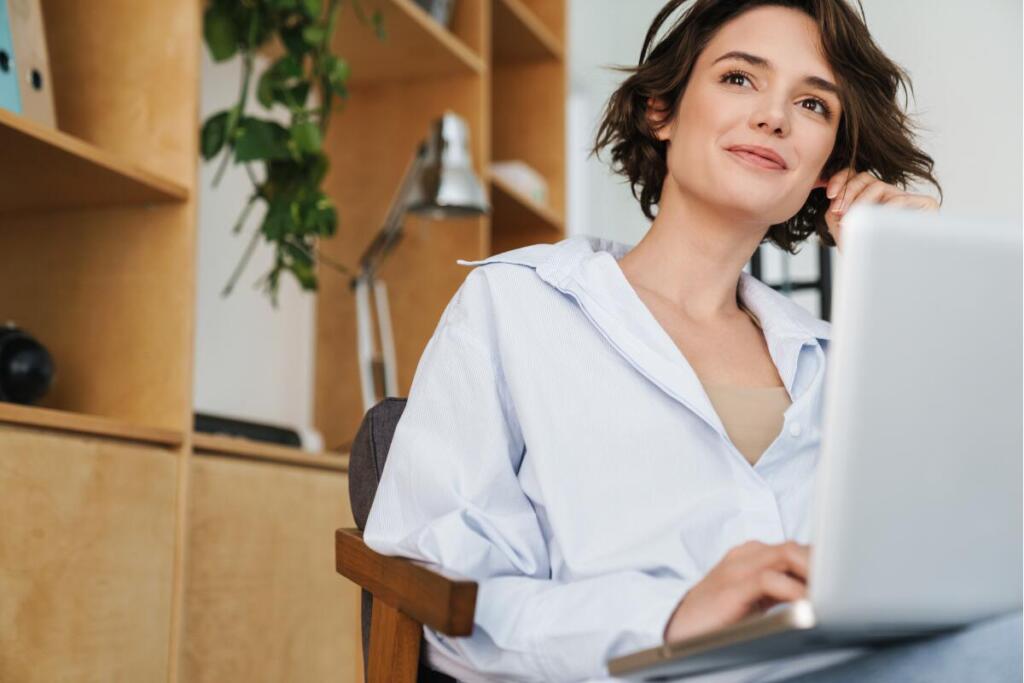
(968, 100)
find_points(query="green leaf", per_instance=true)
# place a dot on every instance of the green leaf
(287, 67)
(260, 139)
(299, 94)
(313, 8)
(322, 217)
(293, 41)
(278, 220)
(283, 73)
(317, 170)
(339, 89)
(213, 135)
(314, 35)
(258, 25)
(265, 89)
(307, 137)
(219, 33)
(298, 253)
(300, 264)
(337, 69)
(283, 82)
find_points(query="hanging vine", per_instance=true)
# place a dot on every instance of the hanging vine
(298, 212)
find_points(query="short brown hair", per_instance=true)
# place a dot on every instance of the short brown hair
(868, 83)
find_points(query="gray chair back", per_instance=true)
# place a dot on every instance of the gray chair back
(366, 463)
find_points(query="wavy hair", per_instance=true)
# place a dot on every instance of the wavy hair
(875, 133)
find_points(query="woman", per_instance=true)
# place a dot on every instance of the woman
(619, 444)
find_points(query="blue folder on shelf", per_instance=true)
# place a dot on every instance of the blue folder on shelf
(9, 97)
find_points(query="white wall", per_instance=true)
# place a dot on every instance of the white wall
(252, 361)
(964, 59)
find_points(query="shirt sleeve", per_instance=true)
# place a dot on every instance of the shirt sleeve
(449, 494)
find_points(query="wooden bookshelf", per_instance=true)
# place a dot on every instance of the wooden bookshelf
(514, 105)
(520, 36)
(415, 46)
(205, 553)
(97, 255)
(46, 169)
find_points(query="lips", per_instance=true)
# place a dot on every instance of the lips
(760, 156)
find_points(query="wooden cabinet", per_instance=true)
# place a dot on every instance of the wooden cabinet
(263, 602)
(86, 557)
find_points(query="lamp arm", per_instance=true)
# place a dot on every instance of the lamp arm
(391, 232)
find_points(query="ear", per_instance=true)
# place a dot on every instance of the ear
(655, 115)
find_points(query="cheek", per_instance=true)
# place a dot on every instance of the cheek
(818, 146)
(700, 125)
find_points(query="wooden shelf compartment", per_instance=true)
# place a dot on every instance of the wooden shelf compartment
(216, 444)
(66, 421)
(527, 98)
(415, 47)
(44, 168)
(520, 36)
(518, 220)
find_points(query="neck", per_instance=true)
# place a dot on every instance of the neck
(693, 254)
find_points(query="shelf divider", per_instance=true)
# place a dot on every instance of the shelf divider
(416, 46)
(95, 425)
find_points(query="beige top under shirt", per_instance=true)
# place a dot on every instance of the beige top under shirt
(752, 416)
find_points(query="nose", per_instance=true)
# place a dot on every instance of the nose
(770, 117)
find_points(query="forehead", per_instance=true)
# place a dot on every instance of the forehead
(786, 37)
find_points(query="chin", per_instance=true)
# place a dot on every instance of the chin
(747, 203)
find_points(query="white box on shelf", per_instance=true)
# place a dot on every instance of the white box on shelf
(523, 178)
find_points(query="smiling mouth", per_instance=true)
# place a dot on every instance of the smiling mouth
(756, 160)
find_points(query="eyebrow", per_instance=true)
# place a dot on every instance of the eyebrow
(813, 81)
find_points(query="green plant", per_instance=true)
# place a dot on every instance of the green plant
(298, 212)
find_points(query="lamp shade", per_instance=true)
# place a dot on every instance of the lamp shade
(446, 186)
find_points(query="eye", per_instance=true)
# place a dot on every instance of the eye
(826, 111)
(735, 74)
(737, 78)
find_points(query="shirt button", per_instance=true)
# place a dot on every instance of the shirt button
(794, 429)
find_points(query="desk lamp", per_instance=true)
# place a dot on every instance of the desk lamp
(438, 183)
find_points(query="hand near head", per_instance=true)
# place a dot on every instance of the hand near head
(845, 189)
(750, 578)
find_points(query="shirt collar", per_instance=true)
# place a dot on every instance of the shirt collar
(586, 268)
(572, 259)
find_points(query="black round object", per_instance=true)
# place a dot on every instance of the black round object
(26, 368)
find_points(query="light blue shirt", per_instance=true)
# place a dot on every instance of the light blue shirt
(558, 448)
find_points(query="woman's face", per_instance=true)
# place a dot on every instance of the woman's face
(771, 104)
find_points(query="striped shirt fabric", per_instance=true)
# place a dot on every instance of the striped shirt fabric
(557, 448)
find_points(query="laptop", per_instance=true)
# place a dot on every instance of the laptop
(917, 505)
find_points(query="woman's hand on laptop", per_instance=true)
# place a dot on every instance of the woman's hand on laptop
(750, 578)
(845, 189)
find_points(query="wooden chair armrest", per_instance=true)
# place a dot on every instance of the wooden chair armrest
(437, 598)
